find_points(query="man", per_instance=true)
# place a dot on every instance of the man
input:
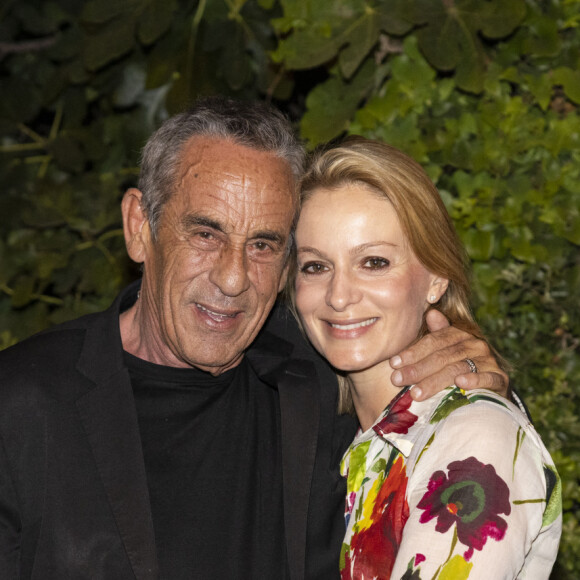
(175, 435)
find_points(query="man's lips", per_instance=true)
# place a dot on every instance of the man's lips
(215, 315)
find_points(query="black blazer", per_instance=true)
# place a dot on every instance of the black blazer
(73, 494)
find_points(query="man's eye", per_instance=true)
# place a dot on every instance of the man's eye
(262, 246)
(376, 263)
(313, 268)
(205, 235)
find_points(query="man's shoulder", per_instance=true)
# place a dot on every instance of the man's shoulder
(47, 363)
(61, 338)
(46, 346)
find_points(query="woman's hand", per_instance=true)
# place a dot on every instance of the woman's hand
(438, 360)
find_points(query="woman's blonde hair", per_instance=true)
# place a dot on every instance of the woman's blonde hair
(394, 176)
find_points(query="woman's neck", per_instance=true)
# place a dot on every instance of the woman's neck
(372, 391)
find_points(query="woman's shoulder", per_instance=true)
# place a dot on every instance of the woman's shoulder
(481, 407)
(482, 424)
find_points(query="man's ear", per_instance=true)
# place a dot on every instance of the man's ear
(437, 288)
(135, 225)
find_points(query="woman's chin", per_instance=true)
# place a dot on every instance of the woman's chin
(344, 365)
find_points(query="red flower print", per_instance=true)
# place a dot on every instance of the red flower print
(471, 496)
(373, 549)
(399, 418)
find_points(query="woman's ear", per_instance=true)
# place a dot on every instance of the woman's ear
(437, 288)
(135, 225)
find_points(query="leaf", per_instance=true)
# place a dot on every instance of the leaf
(22, 291)
(110, 42)
(541, 87)
(304, 50)
(320, 28)
(331, 105)
(449, 36)
(479, 245)
(541, 37)
(21, 99)
(360, 39)
(103, 11)
(440, 39)
(395, 16)
(235, 63)
(67, 154)
(499, 18)
(155, 20)
(570, 81)
(35, 21)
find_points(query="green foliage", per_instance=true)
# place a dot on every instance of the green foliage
(484, 94)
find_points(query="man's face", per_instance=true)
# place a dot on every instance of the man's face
(212, 274)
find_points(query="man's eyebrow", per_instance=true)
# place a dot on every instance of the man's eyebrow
(269, 235)
(192, 221)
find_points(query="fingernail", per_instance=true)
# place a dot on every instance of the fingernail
(397, 377)
(416, 392)
(461, 382)
(396, 361)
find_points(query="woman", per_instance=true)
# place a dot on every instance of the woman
(459, 485)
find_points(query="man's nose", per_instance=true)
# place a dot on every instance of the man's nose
(343, 290)
(230, 271)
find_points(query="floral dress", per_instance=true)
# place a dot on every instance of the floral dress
(458, 486)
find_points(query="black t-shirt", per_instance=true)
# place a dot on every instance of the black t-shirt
(213, 461)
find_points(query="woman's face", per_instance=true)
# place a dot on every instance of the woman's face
(360, 291)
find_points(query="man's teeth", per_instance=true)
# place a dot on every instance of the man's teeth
(355, 325)
(215, 315)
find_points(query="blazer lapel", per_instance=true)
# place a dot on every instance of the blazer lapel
(300, 412)
(109, 417)
(110, 421)
(298, 390)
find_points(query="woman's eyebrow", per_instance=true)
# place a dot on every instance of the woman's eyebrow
(353, 251)
(369, 245)
(308, 250)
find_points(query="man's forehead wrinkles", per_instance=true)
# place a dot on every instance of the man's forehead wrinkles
(190, 166)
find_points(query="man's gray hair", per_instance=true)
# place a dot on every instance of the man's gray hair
(251, 124)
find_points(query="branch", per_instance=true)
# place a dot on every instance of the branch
(387, 45)
(26, 46)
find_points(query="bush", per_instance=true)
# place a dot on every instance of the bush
(484, 94)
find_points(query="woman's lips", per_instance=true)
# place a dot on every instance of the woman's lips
(352, 325)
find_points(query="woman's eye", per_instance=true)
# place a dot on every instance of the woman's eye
(312, 268)
(376, 263)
